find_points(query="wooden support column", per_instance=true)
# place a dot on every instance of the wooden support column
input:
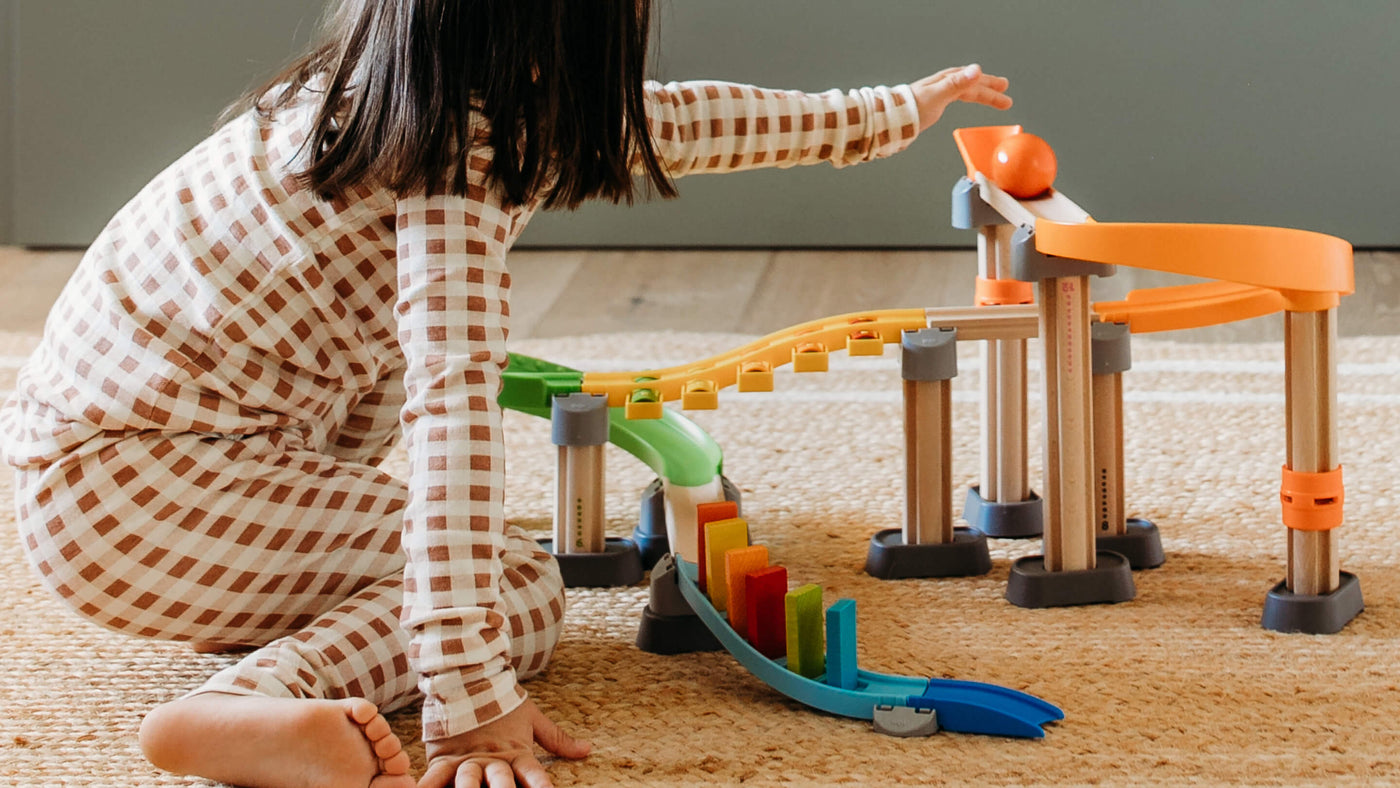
(928, 457)
(1003, 466)
(1311, 400)
(579, 522)
(1109, 515)
(1069, 496)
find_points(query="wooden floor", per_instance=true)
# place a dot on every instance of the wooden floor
(570, 292)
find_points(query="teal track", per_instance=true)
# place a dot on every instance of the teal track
(962, 706)
(682, 453)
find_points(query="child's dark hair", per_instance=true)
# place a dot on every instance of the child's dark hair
(559, 83)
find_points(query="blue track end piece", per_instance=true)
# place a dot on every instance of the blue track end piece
(973, 707)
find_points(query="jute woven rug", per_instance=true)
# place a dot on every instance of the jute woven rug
(1181, 685)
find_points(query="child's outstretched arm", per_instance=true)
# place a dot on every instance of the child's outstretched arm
(701, 127)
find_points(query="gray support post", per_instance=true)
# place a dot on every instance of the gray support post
(928, 545)
(1072, 571)
(1136, 539)
(580, 428)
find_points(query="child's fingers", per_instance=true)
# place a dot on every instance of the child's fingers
(987, 97)
(553, 738)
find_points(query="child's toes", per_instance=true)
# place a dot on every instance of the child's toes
(361, 711)
(386, 747)
(376, 728)
(396, 764)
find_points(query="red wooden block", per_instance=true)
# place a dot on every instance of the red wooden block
(767, 616)
(707, 513)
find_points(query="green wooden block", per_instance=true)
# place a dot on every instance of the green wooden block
(806, 636)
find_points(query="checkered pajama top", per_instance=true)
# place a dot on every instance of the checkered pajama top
(225, 298)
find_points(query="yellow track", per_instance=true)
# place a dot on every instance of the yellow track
(805, 346)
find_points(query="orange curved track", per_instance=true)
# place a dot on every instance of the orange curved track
(1311, 271)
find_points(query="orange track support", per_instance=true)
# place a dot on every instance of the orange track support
(999, 292)
(1312, 501)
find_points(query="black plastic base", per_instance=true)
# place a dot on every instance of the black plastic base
(650, 533)
(1141, 545)
(674, 634)
(1321, 614)
(1032, 585)
(1014, 520)
(890, 558)
(619, 565)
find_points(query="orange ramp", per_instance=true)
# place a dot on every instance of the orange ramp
(1311, 271)
(1190, 306)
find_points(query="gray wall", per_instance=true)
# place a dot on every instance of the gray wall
(8, 36)
(106, 94)
(1254, 111)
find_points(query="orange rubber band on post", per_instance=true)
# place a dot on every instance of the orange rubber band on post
(999, 292)
(1312, 501)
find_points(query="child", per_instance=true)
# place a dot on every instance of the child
(197, 438)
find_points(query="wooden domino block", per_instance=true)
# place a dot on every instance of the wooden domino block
(806, 649)
(721, 536)
(737, 564)
(841, 644)
(708, 513)
(764, 592)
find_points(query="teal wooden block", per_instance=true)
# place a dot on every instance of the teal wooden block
(841, 644)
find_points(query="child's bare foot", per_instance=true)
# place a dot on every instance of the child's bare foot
(262, 742)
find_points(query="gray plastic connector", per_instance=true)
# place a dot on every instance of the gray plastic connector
(579, 419)
(904, 721)
(929, 354)
(1031, 265)
(970, 211)
(1110, 348)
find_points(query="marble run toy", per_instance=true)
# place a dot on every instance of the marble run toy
(1037, 251)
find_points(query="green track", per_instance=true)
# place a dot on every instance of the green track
(672, 446)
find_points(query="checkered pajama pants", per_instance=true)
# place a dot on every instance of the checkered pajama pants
(256, 541)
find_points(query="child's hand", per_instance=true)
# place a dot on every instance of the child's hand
(962, 83)
(500, 754)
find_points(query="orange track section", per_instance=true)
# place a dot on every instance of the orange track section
(1310, 271)
(1190, 306)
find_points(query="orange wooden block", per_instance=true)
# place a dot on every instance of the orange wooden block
(708, 513)
(738, 563)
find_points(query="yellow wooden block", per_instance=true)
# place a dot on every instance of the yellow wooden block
(755, 376)
(644, 404)
(865, 343)
(721, 536)
(737, 564)
(809, 357)
(700, 395)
